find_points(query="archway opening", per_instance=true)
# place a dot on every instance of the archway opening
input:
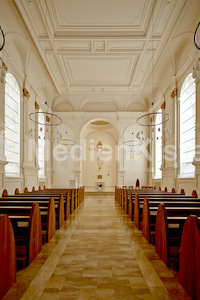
(99, 170)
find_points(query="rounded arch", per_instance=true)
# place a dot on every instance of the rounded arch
(100, 139)
(100, 119)
(62, 103)
(14, 81)
(21, 47)
(140, 104)
(183, 79)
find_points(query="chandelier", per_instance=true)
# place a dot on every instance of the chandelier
(153, 119)
(2, 39)
(195, 37)
(45, 118)
(65, 141)
(196, 69)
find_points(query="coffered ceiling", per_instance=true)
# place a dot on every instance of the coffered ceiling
(101, 51)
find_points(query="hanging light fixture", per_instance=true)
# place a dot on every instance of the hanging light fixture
(47, 118)
(196, 68)
(65, 141)
(149, 119)
(2, 39)
(195, 37)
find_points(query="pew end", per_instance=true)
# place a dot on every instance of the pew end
(167, 239)
(194, 194)
(16, 191)
(182, 192)
(189, 271)
(4, 193)
(146, 231)
(161, 237)
(7, 255)
(29, 239)
(61, 213)
(136, 217)
(50, 226)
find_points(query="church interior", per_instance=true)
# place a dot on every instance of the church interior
(99, 149)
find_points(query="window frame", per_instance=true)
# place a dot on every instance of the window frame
(181, 175)
(39, 146)
(18, 175)
(155, 146)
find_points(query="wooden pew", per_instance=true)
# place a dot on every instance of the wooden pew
(173, 207)
(24, 199)
(136, 217)
(73, 195)
(161, 238)
(51, 222)
(21, 210)
(182, 192)
(4, 193)
(16, 191)
(61, 213)
(157, 197)
(189, 269)
(7, 255)
(120, 193)
(194, 194)
(28, 240)
(146, 221)
(68, 206)
(167, 242)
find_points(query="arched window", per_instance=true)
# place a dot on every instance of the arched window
(158, 145)
(12, 126)
(41, 144)
(187, 127)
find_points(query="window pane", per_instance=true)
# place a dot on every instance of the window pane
(41, 145)
(158, 145)
(187, 127)
(12, 126)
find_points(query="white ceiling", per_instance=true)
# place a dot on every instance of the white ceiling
(105, 51)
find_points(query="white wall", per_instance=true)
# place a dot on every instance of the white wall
(63, 164)
(135, 162)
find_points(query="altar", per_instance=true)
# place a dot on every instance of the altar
(99, 186)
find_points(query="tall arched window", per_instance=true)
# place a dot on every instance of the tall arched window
(12, 126)
(158, 145)
(187, 127)
(41, 144)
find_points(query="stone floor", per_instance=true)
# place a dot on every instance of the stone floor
(97, 254)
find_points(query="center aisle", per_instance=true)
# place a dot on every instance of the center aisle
(97, 254)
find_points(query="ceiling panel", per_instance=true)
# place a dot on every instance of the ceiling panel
(94, 47)
(95, 12)
(100, 71)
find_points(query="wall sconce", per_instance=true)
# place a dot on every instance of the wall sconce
(163, 106)
(4, 69)
(174, 93)
(37, 107)
(26, 94)
(196, 69)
